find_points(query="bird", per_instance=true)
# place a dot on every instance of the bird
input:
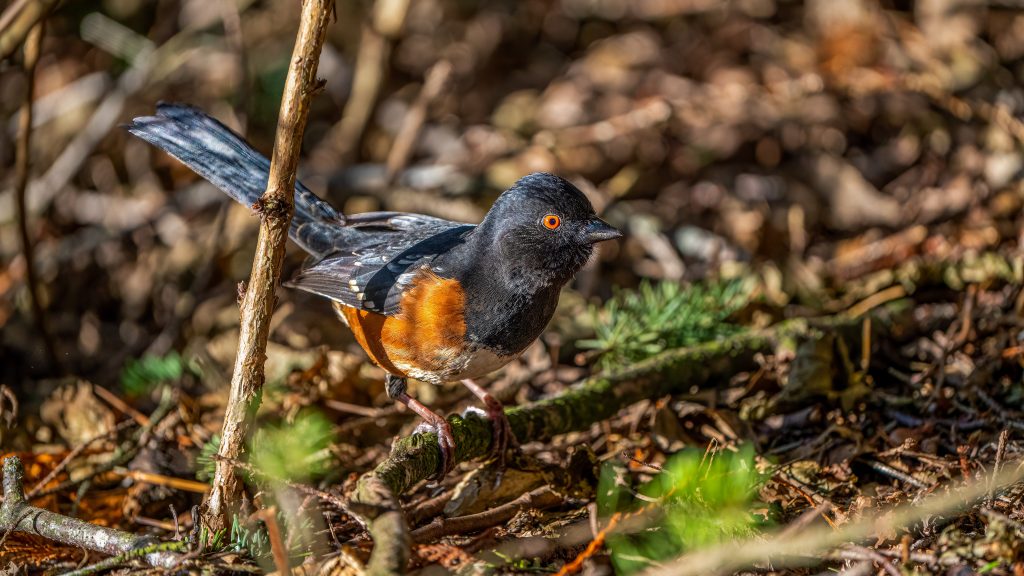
(425, 297)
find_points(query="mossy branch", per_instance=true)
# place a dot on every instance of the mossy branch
(17, 515)
(597, 398)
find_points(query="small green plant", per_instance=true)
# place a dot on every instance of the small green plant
(213, 541)
(698, 499)
(655, 317)
(206, 464)
(296, 451)
(252, 538)
(139, 377)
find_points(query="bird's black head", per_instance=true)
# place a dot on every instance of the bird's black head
(543, 230)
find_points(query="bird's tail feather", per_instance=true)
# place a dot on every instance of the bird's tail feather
(221, 156)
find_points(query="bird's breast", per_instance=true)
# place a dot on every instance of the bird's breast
(426, 339)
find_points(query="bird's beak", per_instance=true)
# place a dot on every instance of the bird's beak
(598, 230)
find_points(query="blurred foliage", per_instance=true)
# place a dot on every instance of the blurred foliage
(141, 376)
(294, 451)
(698, 499)
(637, 324)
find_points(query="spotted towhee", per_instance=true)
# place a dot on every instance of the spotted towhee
(426, 298)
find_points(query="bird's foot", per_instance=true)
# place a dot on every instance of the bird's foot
(433, 422)
(445, 443)
(501, 429)
(502, 438)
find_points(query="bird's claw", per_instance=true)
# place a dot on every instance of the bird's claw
(445, 443)
(502, 431)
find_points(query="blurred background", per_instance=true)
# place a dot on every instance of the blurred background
(804, 144)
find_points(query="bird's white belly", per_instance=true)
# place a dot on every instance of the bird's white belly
(468, 365)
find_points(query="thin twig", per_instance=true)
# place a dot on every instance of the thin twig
(74, 454)
(277, 546)
(342, 142)
(894, 473)
(8, 417)
(873, 556)
(120, 405)
(275, 207)
(126, 451)
(540, 499)
(33, 45)
(128, 556)
(436, 80)
(344, 138)
(1004, 438)
(183, 484)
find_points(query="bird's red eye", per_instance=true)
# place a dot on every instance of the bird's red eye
(552, 221)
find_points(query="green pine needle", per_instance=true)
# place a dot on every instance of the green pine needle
(140, 377)
(639, 324)
(206, 464)
(294, 451)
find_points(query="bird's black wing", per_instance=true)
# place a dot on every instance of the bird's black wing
(373, 276)
(363, 261)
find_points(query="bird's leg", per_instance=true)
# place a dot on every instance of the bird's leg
(499, 421)
(396, 389)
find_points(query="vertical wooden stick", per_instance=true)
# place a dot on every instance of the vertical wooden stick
(275, 209)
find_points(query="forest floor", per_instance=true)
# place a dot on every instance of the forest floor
(842, 178)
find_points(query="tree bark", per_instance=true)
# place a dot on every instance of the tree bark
(275, 209)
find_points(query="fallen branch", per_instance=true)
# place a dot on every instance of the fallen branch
(275, 207)
(134, 554)
(17, 515)
(540, 498)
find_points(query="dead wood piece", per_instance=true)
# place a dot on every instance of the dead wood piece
(276, 207)
(540, 498)
(17, 515)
